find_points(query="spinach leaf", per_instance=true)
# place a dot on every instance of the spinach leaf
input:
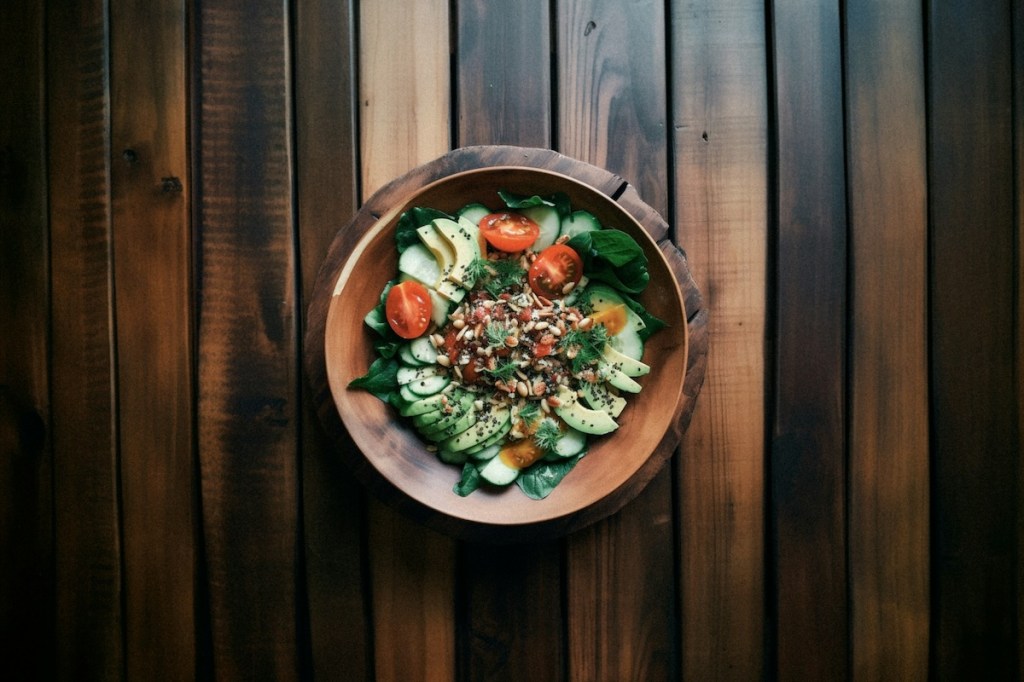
(540, 479)
(381, 379)
(469, 481)
(651, 323)
(560, 200)
(417, 216)
(613, 257)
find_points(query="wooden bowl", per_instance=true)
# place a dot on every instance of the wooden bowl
(386, 453)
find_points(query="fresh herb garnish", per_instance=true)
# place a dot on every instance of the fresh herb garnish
(584, 346)
(547, 434)
(495, 332)
(529, 412)
(504, 371)
(501, 275)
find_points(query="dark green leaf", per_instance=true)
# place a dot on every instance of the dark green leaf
(408, 222)
(381, 379)
(540, 479)
(652, 324)
(469, 481)
(560, 200)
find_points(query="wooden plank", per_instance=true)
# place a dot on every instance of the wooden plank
(503, 91)
(975, 438)
(26, 490)
(807, 470)
(152, 273)
(720, 199)
(888, 422)
(327, 195)
(247, 338)
(87, 532)
(504, 97)
(1017, 22)
(404, 122)
(611, 79)
(404, 87)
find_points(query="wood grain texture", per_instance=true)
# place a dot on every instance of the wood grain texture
(504, 97)
(26, 488)
(86, 498)
(807, 468)
(503, 86)
(327, 195)
(721, 180)
(888, 419)
(404, 87)
(621, 604)
(152, 281)
(405, 98)
(247, 370)
(975, 438)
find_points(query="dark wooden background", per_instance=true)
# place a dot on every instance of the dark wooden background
(845, 178)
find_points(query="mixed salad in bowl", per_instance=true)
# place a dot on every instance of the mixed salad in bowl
(510, 336)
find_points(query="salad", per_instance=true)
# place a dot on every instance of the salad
(510, 336)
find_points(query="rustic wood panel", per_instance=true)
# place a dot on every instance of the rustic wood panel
(26, 493)
(504, 97)
(405, 98)
(621, 604)
(888, 419)
(720, 132)
(326, 196)
(247, 338)
(87, 526)
(807, 467)
(152, 283)
(404, 87)
(974, 420)
(503, 70)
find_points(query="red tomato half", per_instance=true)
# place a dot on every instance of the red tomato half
(554, 268)
(509, 231)
(407, 308)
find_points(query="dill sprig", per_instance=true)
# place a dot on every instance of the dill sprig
(584, 346)
(547, 434)
(495, 332)
(503, 371)
(502, 274)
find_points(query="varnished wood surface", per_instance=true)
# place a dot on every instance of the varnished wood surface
(844, 179)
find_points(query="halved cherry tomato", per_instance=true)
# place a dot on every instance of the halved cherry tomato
(508, 231)
(407, 308)
(555, 267)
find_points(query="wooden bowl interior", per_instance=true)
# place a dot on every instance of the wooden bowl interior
(392, 448)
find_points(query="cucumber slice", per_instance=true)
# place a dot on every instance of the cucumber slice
(547, 218)
(419, 263)
(628, 342)
(406, 356)
(497, 472)
(578, 222)
(423, 350)
(439, 306)
(571, 443)
(409, 375)
(600, 296)
(474, 213)
(451, 457)
(430, 385)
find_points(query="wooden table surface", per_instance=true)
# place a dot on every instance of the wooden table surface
(844, 178)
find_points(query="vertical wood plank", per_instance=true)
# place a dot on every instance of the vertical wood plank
(152, 273)
(504, 97)
(87, 532)
(1017, 22)
(26, 494)
(975, 438)
(327, 194)
(503, 91)
(888, 419)
(404, 119)
(404, 87)
(612, 87)
(247, 338)
(808, 477)
(719, 79)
